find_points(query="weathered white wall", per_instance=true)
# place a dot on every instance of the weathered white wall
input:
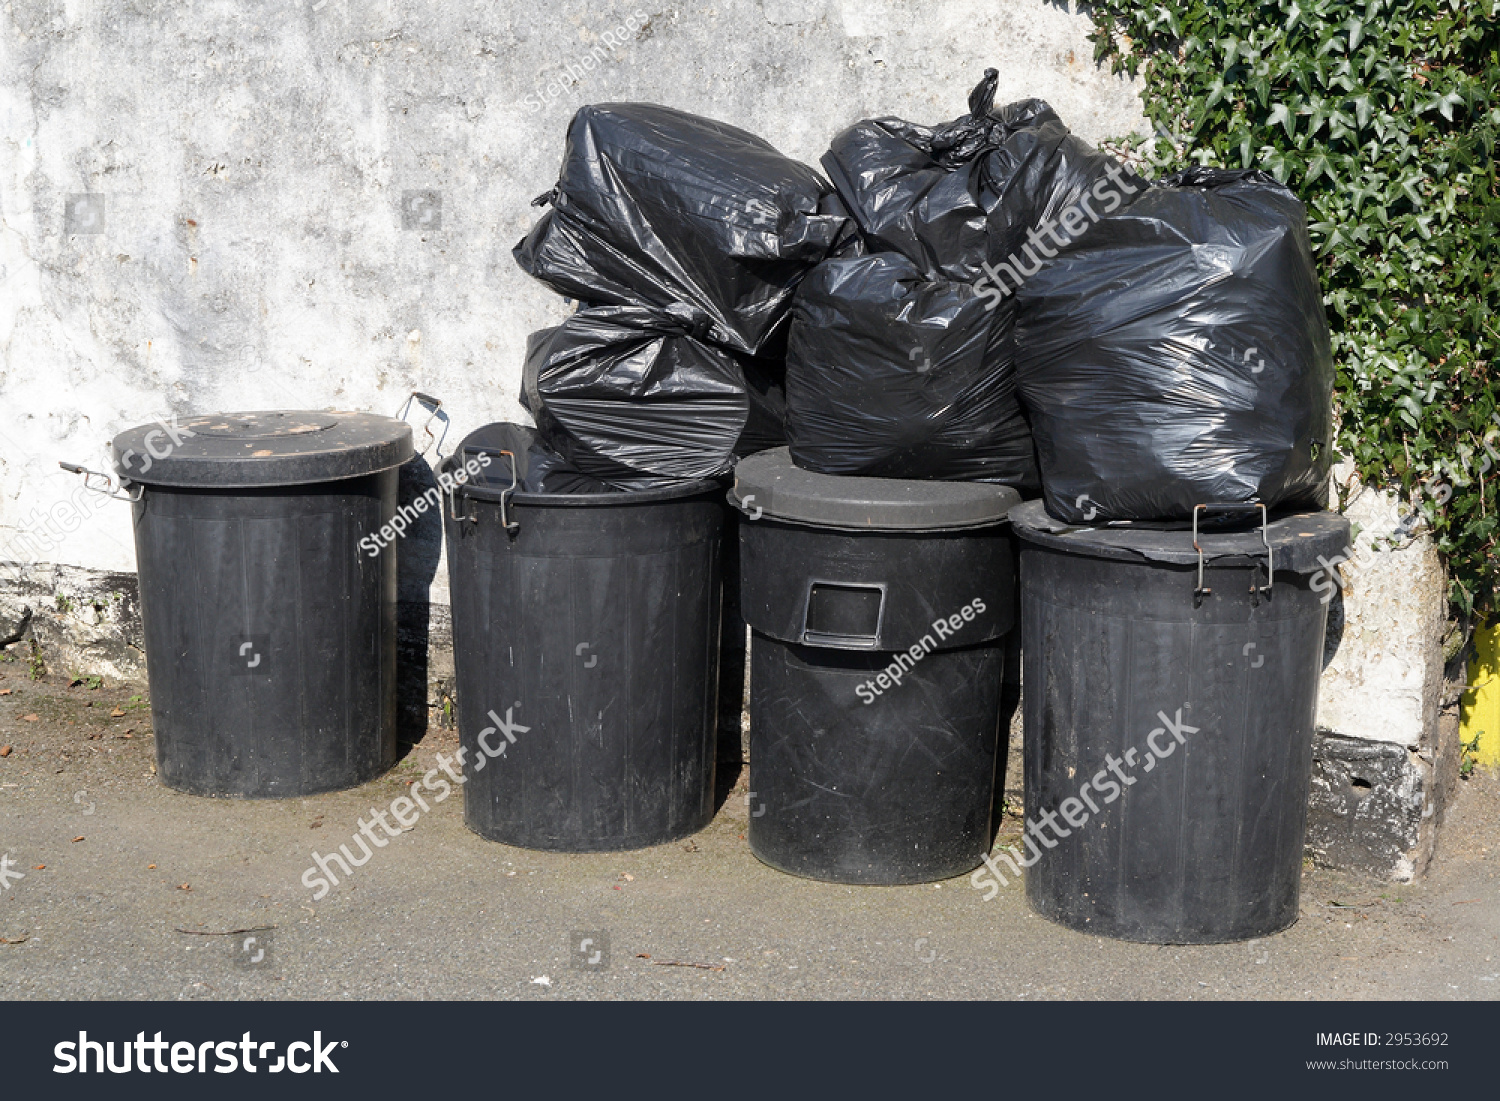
(1385, 679)
(252, 158)
(1387, 753)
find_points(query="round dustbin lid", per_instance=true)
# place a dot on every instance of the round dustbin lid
(1302, 542)
(768, 484)
(271, 448)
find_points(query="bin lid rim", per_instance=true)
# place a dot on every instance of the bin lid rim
(260, 448)
(770, 485)
(1303, 541)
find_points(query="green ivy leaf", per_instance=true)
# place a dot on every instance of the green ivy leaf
(1280, 113)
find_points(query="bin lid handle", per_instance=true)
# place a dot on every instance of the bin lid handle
(105, 485)
(1256, 591)
(437, 406)
(511, 526)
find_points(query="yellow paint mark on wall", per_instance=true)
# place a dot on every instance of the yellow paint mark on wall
(1481, 712)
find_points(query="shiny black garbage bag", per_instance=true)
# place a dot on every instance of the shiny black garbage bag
(980, 190)
(657, 207)
(626, 394)
(1179, 355)
(890, 374)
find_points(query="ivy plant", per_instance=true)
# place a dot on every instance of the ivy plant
(1382, 116)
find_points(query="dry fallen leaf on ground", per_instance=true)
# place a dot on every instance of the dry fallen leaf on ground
(184, 887)
(4, 751)
(6, 691)
(117, 713)
(29, 718)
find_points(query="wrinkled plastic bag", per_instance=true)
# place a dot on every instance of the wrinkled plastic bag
(538, 469)
(624, 392)
(982, 189)
(892, 375)
(1178, 355)
(656, 207)
(548, 472)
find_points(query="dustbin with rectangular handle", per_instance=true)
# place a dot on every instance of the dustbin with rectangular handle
(879, 609)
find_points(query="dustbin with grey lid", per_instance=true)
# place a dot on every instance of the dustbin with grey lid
(1170, 684)
(878, 609)
(269, 612)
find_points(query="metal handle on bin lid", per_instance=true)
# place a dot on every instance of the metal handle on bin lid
(1256, 591)
(437, 405)
(510, 526)
(108, 488)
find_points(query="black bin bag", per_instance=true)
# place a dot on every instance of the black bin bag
(953, 198)
(656, 207)
(1178, 354)
(630, 397)
(892, 375)
(538, 469)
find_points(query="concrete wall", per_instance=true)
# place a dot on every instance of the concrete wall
(1387, 754)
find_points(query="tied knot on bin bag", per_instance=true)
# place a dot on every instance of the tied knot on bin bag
(901, 363)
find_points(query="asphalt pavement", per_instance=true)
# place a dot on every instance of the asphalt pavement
(117, 887)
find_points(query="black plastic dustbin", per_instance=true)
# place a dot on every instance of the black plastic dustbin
(1169, 722)
(586, 649)
(270, 630)
(878, 610)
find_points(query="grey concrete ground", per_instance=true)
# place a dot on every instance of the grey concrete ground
(122, 874)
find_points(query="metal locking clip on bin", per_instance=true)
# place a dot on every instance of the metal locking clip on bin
(109, 488)
(511, 526)
(1256, 591)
